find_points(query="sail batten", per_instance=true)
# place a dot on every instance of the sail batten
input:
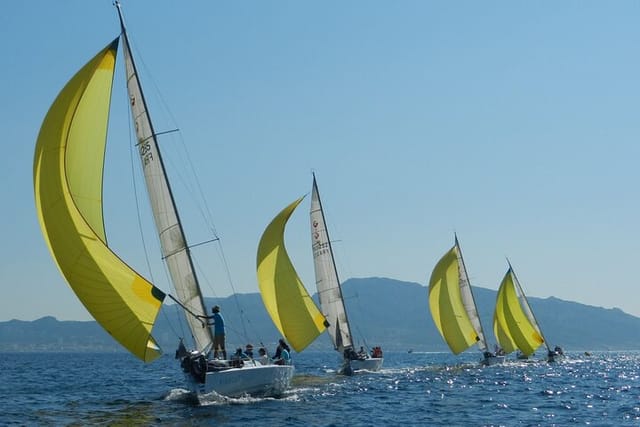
(68, 165)
(284, 296)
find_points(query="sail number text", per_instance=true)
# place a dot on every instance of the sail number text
(145, 153)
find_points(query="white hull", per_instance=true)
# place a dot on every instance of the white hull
(370, 364)
(260, 380)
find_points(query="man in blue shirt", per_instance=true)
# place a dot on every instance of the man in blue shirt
(218, 332)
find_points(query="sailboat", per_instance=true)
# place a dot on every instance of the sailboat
(514, 323)
(68, 181)
(285, 297)
(330, 293)
(453, 307)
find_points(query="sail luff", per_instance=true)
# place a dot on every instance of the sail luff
(326, 273)
(170, 231)
(468, 299)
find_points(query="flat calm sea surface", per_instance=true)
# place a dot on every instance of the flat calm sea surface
(429, 389)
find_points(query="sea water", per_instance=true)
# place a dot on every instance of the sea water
(429, 389)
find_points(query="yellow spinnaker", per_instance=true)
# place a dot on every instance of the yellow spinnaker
(67, 176)
(513, 319)
(447, 308)
(284, 296)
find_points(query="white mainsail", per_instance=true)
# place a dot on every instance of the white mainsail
(175, 251)
(327, 281)
(467, 299)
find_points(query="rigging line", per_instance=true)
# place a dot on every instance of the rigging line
(199, 317)
(136, 75)
(189, 247)
(153, 135)
(241, 311)
(171, 117)
(206, 212)
(169, 194)
(243, 318)
(179, 162)
(203, 277)
(344, 266)
(241, 335)
(202, 205)
(203, 243)
(357, 297)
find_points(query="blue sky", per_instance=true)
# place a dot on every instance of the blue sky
(514, 124)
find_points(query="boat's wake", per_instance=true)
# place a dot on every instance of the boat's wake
(307, 380)
(181, 395)
(187, 397)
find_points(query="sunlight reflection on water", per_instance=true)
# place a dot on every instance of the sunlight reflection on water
(412, 389)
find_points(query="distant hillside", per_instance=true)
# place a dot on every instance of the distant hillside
(49, 334)
(387, 312)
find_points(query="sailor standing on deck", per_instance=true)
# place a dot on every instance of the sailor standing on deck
(218, 332)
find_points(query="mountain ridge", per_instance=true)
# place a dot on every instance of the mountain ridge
(388, 312)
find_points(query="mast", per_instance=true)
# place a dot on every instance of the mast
(527, 306)
(327, 279)
(469, 300)
(175, 251)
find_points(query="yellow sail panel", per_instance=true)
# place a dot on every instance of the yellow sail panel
(68, 165)
(447, 308)
(500, 327)
(525, 335)
(284, 296)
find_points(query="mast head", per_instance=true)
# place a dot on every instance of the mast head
(116, 3)
(509, 264)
